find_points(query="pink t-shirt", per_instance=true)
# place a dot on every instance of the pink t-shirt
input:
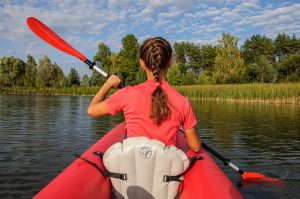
(135, 102)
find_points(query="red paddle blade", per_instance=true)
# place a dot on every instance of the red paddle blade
(252, 176)
(45, 33)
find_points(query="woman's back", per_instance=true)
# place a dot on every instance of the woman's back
(135, 101)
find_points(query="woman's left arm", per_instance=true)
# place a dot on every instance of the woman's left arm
(97, 106)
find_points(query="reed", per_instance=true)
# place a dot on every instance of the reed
(274, 93)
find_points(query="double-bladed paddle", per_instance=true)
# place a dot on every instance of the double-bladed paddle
(49, 36)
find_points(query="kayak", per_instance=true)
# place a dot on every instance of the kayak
(82, 180)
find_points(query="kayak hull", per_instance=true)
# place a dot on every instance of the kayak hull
(81, 180)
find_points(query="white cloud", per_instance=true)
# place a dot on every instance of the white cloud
(84, 23)
(282, 19)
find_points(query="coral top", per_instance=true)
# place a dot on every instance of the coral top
(135, 102)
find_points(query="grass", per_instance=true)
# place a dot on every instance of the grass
(273, 93)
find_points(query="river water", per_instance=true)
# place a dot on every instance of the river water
(39, 136)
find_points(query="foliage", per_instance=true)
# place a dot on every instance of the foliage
(43, 78)
(258, 46)
(174, 75)
(285, 45)
(103, 56)
(85, 80)
(289, 68)
(12, 72)
(96, 79)
(58, 77)
(73, 78)
(129, 59)
(229, 66)
(261, 71)
(30, 72)
(261, 59)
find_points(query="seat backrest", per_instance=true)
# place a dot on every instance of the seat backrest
(145, 162)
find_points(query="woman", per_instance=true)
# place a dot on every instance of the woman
(152, 109)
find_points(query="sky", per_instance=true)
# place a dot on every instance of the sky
(86, 23)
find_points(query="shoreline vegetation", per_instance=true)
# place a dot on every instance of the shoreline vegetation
(262, 70)
(283, 93)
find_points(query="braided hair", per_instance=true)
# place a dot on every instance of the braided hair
(156, 53)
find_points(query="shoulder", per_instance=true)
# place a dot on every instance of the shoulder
(175, 94)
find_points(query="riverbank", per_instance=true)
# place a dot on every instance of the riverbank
(288, 93)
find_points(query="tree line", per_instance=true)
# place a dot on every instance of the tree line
(259, 59)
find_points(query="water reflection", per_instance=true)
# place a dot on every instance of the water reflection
(40, 134)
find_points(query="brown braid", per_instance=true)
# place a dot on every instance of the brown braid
(156, 53)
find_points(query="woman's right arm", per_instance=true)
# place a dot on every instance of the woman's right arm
(193, 139)
(97, 106)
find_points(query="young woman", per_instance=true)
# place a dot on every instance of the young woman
(152, 109)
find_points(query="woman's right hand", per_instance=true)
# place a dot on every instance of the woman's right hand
(113, 81)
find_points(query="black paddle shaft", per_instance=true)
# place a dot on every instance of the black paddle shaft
(219, 156)
(93, 65)
(223, 159)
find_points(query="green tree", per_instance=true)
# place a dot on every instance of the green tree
(11, 72)
(44, 73)
(208, 56)
(174, 75)
(96, 79)
(285, 45)
(73, 78)
(229, 66)
(289, 68)
(85, 80)
(30, 72)
(258, 46)
(115, 63)
(103, 56)
(261, 71)
(57, 76)
(129, 59)
(181, 56)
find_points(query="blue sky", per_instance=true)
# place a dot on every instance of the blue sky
(85, 23)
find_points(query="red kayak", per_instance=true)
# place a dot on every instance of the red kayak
(81, 180)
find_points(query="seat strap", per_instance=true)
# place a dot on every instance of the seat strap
(121, 176)
(193, 160)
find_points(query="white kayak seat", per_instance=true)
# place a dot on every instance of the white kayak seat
(152, 169)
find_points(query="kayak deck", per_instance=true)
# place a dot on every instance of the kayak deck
(81, 180)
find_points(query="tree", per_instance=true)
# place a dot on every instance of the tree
(58, 77)
(261, 71)
(44, 76)
(73, 78)
(208, 56)
(11, 72)
(289, 68)
(258, 46)
(30, 72)
(229, 66)
(285, 45)
(103, 56)
(96, 79)
(85, 80)
(174, 74)
(129, 59)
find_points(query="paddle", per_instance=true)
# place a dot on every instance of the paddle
(246, 176)
(50, 37)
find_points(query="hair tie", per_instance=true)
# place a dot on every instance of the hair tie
(156, 84)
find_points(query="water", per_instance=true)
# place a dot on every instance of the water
(39, 136)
